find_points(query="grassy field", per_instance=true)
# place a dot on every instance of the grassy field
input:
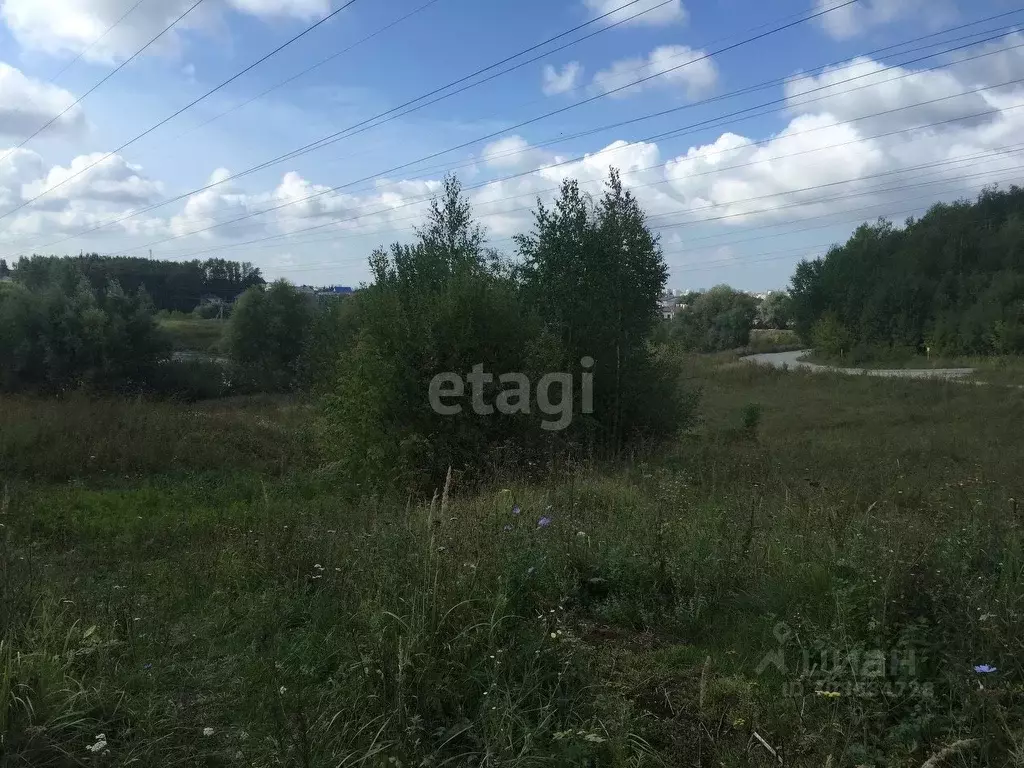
(808, 578)
(193, 334)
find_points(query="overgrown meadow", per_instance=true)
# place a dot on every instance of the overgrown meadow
(822, 571)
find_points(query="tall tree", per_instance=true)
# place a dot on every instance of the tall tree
(594, 272)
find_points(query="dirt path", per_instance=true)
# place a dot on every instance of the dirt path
(792, 360)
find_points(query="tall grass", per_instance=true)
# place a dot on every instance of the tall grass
(301, 625)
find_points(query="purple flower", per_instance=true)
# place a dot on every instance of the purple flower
(544, 522)
(508, 527)
(984, 669)
(516, 510)
(148, 665)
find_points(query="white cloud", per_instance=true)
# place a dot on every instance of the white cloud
(26, 104)
(301, 9)
(110, 190)
(69, 27)
(666, 66)
(111, 180)
(512, 152)
(671, 13)
(212, 206)
(820, 154)
(843, 22)
(877, 89)
(563, 80)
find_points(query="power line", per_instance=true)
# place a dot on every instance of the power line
(722, 169)
(336, 136)
(191, 104)
(95, 42)
(104, 79)
(871, 191)
(309, 69)
(749, 89)
(289, 155)
(717, 121)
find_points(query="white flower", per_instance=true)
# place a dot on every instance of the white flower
(207, 731)
(100, 745)
(282, 690)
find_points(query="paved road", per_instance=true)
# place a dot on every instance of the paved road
(792, 360)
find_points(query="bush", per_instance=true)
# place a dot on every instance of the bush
(64, 335)
(267, 334)
(715, 321)
(446, 304)
(192, 379)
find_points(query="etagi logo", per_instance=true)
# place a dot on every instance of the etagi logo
(514, 396)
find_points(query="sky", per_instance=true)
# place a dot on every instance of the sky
(752, 134)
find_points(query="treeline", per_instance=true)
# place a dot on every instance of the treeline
(174, 286)
(951, 282)
(63, 336)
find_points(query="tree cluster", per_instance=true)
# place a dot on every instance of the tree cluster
(67, 335)
(586, 286)
(951, 282)
(714, 320)
(175, 286)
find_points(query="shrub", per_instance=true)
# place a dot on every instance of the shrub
(716, 320)
(58, 337)
(266, 336)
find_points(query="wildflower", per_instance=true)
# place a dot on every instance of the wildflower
(148, 665)
(100, 744)
(282, 690)
(985, 669)
(508, 527)
(544, 522)
(207, 731)
(318, 567)
(828, 694)
(516, 510)
(581, 534)
(554, 636)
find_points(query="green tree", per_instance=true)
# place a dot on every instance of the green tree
(55, 338)
(774, 311)
(594, 272)
(267, 333)
(718, 319)
(441, 304)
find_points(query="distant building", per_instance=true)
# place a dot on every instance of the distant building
(335, 292)
(670, 305)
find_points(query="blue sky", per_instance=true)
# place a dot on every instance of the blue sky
(731, 199)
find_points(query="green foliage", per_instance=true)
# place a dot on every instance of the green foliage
(177, 286)
(266, 336)
(831, 337)
(715, 320)
(587, 287)
(774, 311)
(952, 281)
(439, 305)
(66, 335)
(594, 272)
